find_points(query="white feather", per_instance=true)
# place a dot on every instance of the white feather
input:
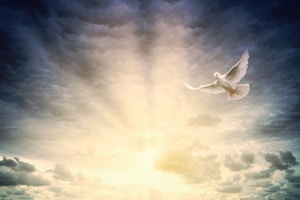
(228, 81)
(238, 71)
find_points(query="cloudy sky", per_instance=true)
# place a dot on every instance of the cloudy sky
(92, 102)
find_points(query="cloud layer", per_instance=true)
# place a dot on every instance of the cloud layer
(14, 172)
(92, 93)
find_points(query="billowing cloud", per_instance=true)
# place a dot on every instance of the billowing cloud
(230, 185)
(14, 193)
(194, 167)
(288, 157)
(292, 178)
(61, 172)
(273, 188)
(270, 182)
(279, 191)
(282, 161)
(262, 174)
(230, 189)
(14, 172)
(262, 184)
(17, 165)
(242, 161)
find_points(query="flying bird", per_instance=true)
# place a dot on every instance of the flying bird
(229, 81)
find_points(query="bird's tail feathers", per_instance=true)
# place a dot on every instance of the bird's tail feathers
(240, 92)
(191, 87)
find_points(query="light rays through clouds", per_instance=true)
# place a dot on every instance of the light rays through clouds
(92, 94)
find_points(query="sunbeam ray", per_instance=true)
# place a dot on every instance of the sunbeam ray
(92, 93)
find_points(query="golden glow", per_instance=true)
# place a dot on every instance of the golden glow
(126, 134)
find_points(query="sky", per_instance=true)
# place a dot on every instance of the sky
(93, 106)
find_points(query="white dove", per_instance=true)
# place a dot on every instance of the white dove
(228, 81)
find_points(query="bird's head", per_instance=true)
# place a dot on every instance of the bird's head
(216, 75)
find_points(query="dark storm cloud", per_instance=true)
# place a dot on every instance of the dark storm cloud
(275, 161)
(279, 191)
(274, 191)
(37, 42)
(14, 172)
(17, 165)
(283, 161)
(282, 45)
(14, 193)
(110, 13)
(13, 59)
(270, 187)
(270, 32)
(288, 157)
(292, 178)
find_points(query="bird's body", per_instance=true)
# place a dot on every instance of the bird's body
(225, 84)
(228, 86)
(229, 81)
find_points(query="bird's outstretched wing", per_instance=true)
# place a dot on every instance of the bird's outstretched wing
(211, 88)
(238, 71)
